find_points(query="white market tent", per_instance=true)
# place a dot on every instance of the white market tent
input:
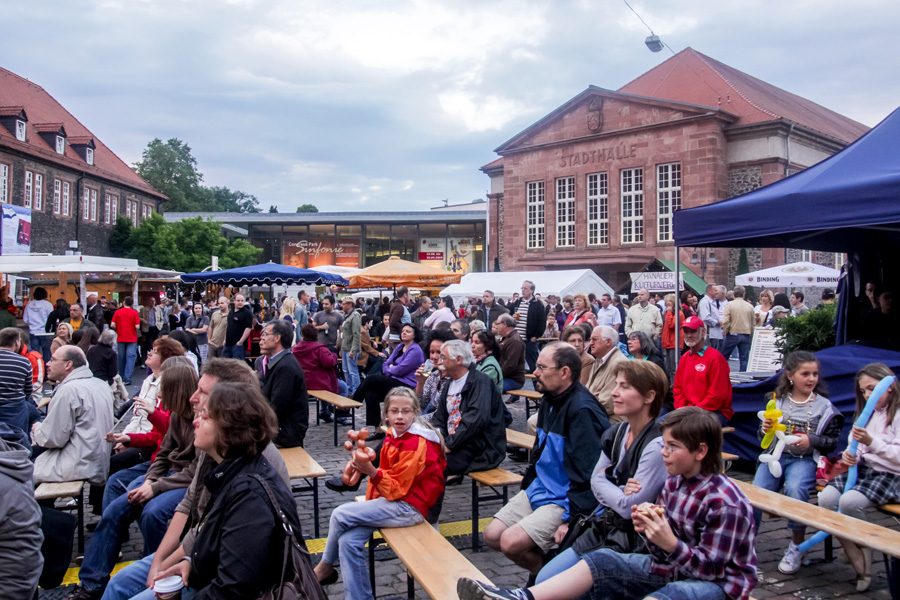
(505, 284)
(798, 274)
(80, 268)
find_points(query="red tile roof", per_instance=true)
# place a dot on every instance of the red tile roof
(80, 139)
(690, 76)
(46, 114)
(11, 111)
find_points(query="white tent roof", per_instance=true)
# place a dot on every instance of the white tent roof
(36, 265)
(504, 285)
(798, 274)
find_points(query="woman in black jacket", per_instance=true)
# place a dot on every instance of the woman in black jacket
(239, 549)
(101, 357)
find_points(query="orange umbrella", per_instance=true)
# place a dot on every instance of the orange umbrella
(395, 271)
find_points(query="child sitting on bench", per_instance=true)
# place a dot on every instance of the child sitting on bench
(400, 492)
(701, 547)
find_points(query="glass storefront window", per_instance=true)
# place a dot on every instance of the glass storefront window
(378, 244)
(320, 231)
(349, 231)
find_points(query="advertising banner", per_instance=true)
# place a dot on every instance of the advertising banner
(309, 254)
(16, 230)
(658, 281)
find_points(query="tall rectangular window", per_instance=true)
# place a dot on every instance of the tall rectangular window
(38, 191)
(668, 198)
(534, 203)
(57, 197)
(806, 255)
(60, 145)
(29, 189)
(89, 156)
(4, 183)
(86, 204)
(565, 212)
(107, 210)
(598, 209)
(65, 199)
(115, 209)
(632, 206)
(94, 205)
(20, 130)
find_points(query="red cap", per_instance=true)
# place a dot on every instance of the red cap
(692, 323)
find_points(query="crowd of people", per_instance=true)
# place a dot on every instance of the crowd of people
(623, 495)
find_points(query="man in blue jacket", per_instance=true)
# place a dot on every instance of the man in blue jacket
(558, 482)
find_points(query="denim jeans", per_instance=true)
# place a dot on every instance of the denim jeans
(351, 371)
(118, 482)
(236, 351)
(742, 342)
(348, 531)
(510, 385)
(625, 576)
(532, 351)
(131, 582)
(798, 477)
(126, 354)
(563, 561)
(42, 344)
(103, 547)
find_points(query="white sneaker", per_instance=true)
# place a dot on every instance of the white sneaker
(792, 560)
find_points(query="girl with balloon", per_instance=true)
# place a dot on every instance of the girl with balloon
(812, 425)
(877, 459)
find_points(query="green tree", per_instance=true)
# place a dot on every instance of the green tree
(171, 168)
(222, 199)
(187, 245)
(118, 237)
(273, 208)
(743, 267)
(307, 208)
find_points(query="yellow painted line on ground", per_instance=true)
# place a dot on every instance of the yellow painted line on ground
(317, 546)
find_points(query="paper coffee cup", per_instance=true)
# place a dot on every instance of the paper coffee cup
(168, 588)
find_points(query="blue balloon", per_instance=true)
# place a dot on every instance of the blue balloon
(861, 421)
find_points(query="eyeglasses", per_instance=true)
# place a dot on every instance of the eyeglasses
(543, 368)
(393, 412)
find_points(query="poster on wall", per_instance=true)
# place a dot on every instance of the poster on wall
(16, 230)
(309, 254)
(460, 254)
(433, 252)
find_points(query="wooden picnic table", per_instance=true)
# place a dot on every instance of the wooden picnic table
(300, 465)
(339, 402)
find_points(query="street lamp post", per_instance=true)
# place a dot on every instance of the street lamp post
(701, 258)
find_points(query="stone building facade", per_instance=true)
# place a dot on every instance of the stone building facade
(75, 187)
(594, 183)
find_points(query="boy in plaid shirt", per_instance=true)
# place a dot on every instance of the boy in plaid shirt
(701, 549)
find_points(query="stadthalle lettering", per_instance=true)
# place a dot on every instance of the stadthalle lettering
(603, 154)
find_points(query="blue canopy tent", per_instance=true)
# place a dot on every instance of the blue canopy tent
(267, 274)
(849, 203)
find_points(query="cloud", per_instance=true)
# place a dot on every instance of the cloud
(358, 104)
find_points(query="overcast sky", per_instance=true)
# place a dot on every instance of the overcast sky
(361, 105)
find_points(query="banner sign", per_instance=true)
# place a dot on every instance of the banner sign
(15, 236)
(309, 254)
(657, 281)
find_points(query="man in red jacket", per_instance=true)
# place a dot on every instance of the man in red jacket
(702, 378)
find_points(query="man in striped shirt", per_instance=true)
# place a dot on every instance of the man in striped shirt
(531, 320)
(15, 380)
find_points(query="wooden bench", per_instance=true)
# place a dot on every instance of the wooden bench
(862, 533)
(339, 402)
(520, 439)
(66, 489)
(529, 396)
(44, 402)
(428, 558)
(300, 465)
(495, 478)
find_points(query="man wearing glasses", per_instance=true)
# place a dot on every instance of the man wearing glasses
(558, 482)
(70, 442)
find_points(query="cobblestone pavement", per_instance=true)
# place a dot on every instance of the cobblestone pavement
(817, 581)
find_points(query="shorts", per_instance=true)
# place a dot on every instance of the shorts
(540, 524)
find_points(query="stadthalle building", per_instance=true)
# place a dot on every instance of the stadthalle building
(594, 183)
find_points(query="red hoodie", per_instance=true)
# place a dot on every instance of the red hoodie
(411, 469)
(318, 363)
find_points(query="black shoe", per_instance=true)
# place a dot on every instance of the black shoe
(512, 399)
(345, 420)
(92, 526)
(336, 484)
(79, 593)
(326, 417)
(454, 480)
(330, 579)
(374, 437)
(469, 589)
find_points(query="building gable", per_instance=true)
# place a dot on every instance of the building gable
(598, 112)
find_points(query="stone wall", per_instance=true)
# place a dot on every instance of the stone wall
(743, 179)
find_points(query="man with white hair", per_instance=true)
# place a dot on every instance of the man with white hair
(605, 350)
(469, 413)
(711, 310)
(71, 439)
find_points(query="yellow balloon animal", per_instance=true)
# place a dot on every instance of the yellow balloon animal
(775, 415)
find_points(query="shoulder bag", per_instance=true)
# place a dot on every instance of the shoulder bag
(302, 583)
